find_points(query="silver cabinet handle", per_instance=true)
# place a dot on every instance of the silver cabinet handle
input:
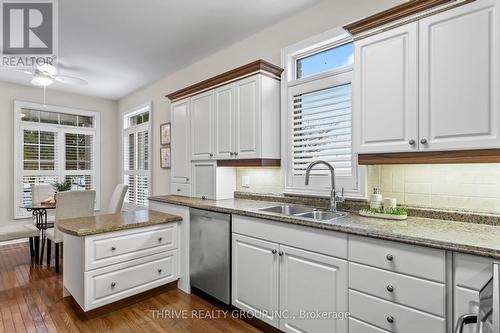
(411, 142)
(423, 141)
(274, 251)
(389, 257)
(113, 284)
(390, 319)
(465, 320)
(390, 288)
(281, 253)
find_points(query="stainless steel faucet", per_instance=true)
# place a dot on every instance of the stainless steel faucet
(334, 197)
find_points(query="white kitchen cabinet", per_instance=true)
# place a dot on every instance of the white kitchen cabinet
(386, 90)
(459, 60)
(211, 182)
(248, 117)
(430, 85)
(224, 122)
(311, 283)
(180, 172)
(202, 120)
(255, 277)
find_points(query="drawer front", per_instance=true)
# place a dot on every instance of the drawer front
(107, 285)
(471, 272)
(356, 326)
(397, 257)
(378, 312)
(423, 295)
(107, 249)
(180, 189)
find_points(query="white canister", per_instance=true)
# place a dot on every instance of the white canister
(389, 203)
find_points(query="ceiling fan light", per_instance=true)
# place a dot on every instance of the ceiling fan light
(42, 80)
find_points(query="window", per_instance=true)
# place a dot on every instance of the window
(317, 117)
(53, 144)
(136, 154)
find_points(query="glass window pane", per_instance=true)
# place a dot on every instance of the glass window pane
(49, 117)
(33, 180)
(69, 119)
(78, 151)
(331, 59)
(31, 152)
(47, 138)
(31, 136)
(30, 115)
(84, 121)
(80, 182)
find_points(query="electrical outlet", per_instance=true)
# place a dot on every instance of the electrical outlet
(245, 181)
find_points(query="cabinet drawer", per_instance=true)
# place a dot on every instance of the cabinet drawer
(406, 290)
(109, 284)
(180, 189)
(402, 258)
(405, 320)
(107, 249)
(356, 326)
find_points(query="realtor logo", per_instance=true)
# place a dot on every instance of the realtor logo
(28, 33)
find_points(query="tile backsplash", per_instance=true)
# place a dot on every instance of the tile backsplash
(471, 187)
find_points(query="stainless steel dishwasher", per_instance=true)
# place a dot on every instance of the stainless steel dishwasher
(210, 257)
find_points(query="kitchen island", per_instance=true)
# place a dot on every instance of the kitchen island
(111, 257)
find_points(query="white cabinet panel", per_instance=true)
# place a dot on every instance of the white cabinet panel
(459, 78)
(180, 189)
(224, 122)
(181, 168)
(202, 116)
(248, 117)
(385, 90)
(315, 283)
(204, 181)
(255, 277)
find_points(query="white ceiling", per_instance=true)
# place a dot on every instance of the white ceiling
(119, 46)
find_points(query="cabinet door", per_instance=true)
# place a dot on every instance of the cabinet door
(224, 122)
(385, 91)
(204, 181)
(202, 126)
(313, 283)
(255, 277)
(181, 168)
(248, 118)
(459, 78)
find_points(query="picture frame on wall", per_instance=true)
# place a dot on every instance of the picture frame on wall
(165, 134)
(165, 157)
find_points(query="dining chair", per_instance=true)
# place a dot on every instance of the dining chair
(70, 204)
(116, 202)
(40, 192)
(13, 231)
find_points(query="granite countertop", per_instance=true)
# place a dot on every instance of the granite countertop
(98, 224)
(472, 238)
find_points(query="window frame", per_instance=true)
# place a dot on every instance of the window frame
(290, 83)
(60, 169)
(128, 129)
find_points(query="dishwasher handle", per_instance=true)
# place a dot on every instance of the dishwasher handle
(464, 320)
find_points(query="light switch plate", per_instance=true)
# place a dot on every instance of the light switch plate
(245, 181)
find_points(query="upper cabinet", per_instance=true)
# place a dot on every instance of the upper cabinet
(202, 118)
(180, 172)
(430, 85)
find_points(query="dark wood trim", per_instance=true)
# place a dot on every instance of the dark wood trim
(406, 9)
(435, 157)
(257, 162)
(106, 309)
(256, 66)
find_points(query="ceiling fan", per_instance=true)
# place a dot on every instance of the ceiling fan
(45, 75)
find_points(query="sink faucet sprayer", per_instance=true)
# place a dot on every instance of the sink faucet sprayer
(334, 197)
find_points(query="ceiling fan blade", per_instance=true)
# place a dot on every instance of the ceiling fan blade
(70, 80)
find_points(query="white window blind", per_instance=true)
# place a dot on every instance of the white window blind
(136, 157)
(53, 146)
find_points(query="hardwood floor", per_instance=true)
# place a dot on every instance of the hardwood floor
(31, 301)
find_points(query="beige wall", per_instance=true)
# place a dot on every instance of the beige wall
(107, 108)
(266, 44)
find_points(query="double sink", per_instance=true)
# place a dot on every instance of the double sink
(305, 212)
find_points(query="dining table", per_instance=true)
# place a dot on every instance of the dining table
(40, 213)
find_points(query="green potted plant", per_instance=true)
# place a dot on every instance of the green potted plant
(61, 186)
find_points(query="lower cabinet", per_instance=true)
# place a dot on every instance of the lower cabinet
(289, 288)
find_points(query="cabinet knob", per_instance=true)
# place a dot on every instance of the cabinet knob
(211, 155)
(113, 284)
(390, 319)
(160, 239)
(159, 271)
(423, 141)
(274, 251)
(231, 153)
(187, 179)
(178, 190)
(235, 153)
(389, 257)
(113, 248)
(203, 197)
(281, 253)
(411, 142)
(390, 288)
